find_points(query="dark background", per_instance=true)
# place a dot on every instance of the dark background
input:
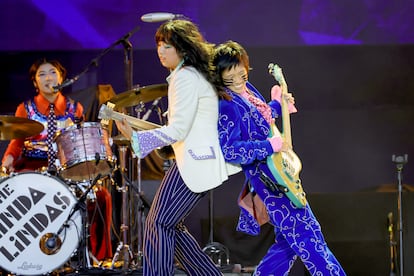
(349, 67)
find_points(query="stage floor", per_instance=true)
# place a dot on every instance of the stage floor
(228, 270)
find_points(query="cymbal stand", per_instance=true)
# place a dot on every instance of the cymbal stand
(140, 215)
(215, 249)
(123, 244)
(400, 161)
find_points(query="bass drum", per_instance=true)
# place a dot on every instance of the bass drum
(39, 229)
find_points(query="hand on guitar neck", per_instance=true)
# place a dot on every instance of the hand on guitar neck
(126, 124)
(285, 165)
(106, 113)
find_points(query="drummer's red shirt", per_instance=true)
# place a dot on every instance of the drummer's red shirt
(16, 145)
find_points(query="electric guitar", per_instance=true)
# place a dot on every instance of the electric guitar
(285, 165)
(106, 113)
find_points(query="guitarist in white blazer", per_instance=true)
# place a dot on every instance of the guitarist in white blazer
(247, 139)
(192, 132)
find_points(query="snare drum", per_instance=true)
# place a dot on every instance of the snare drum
(83, 152)
(39, 231)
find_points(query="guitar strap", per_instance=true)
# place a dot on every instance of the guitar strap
(270, 184)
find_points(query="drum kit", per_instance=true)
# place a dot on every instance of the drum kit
(42, 216)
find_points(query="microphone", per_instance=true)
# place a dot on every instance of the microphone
(67, 82)
(159, 16)
(153, 106)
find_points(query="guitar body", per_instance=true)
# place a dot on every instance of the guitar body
(286, 165)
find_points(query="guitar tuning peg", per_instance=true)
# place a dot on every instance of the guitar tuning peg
(270, 67)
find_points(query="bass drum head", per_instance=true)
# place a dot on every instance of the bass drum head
(34, 207)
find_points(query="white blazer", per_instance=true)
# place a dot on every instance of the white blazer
(192, 122)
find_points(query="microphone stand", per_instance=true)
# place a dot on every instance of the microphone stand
(400, 161)
(214, 249)
(393, 246)
(124, 40)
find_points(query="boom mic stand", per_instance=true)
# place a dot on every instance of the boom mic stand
(400, 161)
(128, 52)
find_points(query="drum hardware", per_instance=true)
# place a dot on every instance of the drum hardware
(141, 201)
(134, 97)
(80, 188)
(123, 244)
(12, 127)
(140, 215)
(85, 255)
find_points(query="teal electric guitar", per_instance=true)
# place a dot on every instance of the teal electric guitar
(286, 165)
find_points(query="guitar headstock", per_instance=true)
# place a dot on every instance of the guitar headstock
(106, 113)
(276, 72)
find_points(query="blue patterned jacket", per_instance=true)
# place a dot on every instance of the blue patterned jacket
(243, 133)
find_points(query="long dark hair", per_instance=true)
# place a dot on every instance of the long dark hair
(226, 56)
(189, 43)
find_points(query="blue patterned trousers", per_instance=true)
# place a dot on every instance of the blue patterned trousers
(297, 234)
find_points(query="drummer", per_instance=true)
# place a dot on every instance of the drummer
(31, 153)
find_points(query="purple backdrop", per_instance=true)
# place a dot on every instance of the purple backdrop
(95, 24)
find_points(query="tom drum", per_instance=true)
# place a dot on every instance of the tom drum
(83, 152)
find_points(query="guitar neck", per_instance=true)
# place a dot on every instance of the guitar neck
(285, 115)
(134, 122)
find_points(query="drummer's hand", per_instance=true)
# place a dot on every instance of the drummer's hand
(124, 128)
(8, 164)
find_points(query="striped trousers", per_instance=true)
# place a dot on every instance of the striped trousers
(165, 236)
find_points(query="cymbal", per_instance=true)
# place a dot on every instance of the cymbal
(12, 127)
(141, 94)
